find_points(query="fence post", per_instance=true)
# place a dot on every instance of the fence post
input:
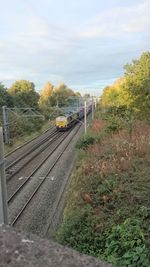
(3, 190)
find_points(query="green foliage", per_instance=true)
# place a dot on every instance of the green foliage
(107, 212)
(138, 84)
(24, 94)
(63, 95)
(85, 141)
(5, 98)
(51, 97)
(133, 90)
(25, 126)
(117, 118)
(54, 98)
(78, 232)
(144, 212)
(125, 245)
(114, 124)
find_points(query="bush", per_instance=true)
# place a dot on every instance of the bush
(85, 141)
(125, 245)
(25, 126)
(107, 213)
(114, 124)
(77, 232)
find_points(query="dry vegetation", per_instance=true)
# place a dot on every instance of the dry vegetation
(108, 212)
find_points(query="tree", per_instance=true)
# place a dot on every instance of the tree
(133, 89)
(115, 95)
(24, 94)
(138, 83)
(46, 100)
(78, 94)
(46, 94)
(5, 98)
(51, 98)
(63, 94)
(86, 95)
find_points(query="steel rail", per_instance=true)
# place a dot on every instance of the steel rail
(34, 171)
(28, 142)
(46, 175)
(57, 134)
(34, 147)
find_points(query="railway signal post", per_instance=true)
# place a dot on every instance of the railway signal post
(3, 190)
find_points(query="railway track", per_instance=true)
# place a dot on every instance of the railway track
(29, 141)
(15, 166)
(13, 155)
(20, 187)
(39, 182)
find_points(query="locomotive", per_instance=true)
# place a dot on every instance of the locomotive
(67, 120)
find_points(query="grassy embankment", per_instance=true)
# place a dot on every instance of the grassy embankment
(108, 209)
(20, 140)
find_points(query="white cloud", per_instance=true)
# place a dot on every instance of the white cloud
(6, 77)
(139, 19)
(119, 21)
(59, 47)
(37, 27)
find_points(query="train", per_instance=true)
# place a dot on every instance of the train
(67, 120)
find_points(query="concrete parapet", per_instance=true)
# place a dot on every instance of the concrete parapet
(18, 249)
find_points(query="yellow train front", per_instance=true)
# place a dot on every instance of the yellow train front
(65, 122)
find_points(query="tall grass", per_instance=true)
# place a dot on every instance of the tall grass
(109, 197)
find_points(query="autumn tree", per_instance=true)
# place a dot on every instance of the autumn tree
(63, 95)
(115, 95)
(133, 89)
(46, 100)
(138, 84)
(78, 94)
(24, 94)
(66, 96)
(46, 95)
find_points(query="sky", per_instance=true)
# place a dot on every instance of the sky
(83, 43)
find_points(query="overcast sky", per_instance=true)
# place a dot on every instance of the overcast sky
(83, 43)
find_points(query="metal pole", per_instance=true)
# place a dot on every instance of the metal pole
(57, 106)
(95, 102)
(3, 190)
(5, 125)
(92, 109)
(85, 123)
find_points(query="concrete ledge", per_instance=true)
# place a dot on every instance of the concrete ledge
(19, 249)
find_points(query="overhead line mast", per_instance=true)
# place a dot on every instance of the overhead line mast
(19, 113)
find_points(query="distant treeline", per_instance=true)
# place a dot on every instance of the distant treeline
(22, 94)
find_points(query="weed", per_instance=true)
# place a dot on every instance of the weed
(125, 245)
(107, 213)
